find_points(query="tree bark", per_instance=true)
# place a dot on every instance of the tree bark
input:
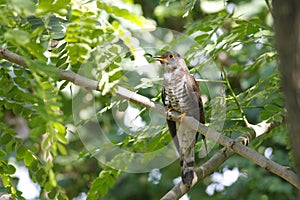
(287, 28)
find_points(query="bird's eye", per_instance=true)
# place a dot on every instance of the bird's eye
(171, 56)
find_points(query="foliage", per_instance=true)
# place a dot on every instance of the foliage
(98, 39)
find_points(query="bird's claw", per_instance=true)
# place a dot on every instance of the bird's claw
(168, 113)
(182, 116)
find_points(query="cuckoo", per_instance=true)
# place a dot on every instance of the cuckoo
(181, 93)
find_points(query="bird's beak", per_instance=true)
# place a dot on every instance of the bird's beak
(161, 59)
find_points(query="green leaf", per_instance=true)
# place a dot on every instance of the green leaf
(202, 37)
(102, 183)
(37, 131)
(62, 196)
(57, 28)
(6, 181)
(61, 61)
(62, 149)
(123, 105)
(28, 158)
(62, 137)
(7, 87)
(78, 52)
(59, 127)
(23, 7)
(77, 12)
(52, 6)
(45, 143)
(94, 192)
(41, 175)
(18, 37)
(43, 68)
(22, 82)
(36, 23)
(277, 118)
(189, 7)
(2, 153)
(5, 139)
(273, 108)
(35, 165)
(21, 152)
(84, 153)
(53, 193)
(10, 169)
(114, 49)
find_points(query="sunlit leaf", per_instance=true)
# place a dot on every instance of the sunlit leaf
(123, 13)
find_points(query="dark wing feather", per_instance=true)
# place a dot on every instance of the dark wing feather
(196, 89)
(173, 132)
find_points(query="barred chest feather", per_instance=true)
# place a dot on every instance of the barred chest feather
(176, 95)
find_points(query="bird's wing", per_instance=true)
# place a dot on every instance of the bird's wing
(193, 92)
(193, 86)
(200, 104)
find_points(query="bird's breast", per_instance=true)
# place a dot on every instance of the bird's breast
(176, 91)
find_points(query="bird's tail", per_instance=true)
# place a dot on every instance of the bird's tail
(187, 141)
(187, 167)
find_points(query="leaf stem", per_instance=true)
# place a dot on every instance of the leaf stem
(235, 97)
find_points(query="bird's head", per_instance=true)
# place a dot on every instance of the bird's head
(171, 60)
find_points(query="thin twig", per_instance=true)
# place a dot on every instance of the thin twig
(269, 7)
(235, 98)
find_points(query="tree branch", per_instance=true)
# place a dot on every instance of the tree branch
(12, 57)
(219, 158)
(233, 145)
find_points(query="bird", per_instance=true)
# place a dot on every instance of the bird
(181, 92)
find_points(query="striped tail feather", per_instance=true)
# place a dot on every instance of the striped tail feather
(187, 141)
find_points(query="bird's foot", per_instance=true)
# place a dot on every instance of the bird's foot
(169, 116)
(182, 116)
